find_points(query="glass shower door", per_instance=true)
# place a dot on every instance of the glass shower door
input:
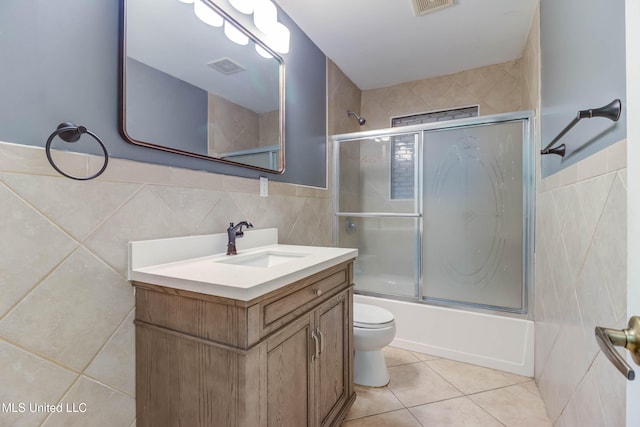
(474, 216)
(377, 211)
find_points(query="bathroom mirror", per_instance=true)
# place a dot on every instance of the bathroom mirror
(187, 88)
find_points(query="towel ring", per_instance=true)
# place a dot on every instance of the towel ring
(71, 133)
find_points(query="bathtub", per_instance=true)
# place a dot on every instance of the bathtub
(491, 341)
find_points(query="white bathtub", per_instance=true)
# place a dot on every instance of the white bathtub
(492, 341)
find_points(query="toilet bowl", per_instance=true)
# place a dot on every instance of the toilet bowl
(373, 328)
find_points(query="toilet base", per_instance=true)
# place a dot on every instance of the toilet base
(370, 369)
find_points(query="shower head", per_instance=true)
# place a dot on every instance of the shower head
(361, 120)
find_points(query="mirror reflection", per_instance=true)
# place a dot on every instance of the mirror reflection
(196, 83)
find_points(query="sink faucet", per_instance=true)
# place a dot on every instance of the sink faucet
(235, 231)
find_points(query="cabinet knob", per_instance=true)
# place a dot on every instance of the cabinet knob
(318, 292)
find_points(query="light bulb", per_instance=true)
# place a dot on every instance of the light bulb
(263, 52)
(234, 34)
(278, 38)
(244, 6)
(265, 15)
(186, 1)
(206, 14)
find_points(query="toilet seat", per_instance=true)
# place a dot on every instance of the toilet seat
(367, 316)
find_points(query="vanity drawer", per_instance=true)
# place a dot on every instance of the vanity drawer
(276, 311)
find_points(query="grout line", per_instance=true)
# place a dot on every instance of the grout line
(463, 395)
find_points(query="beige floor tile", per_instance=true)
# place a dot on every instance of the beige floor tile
(372, 401)
(514, 406)
(396, 356)
(470, 378)
(423, 357)
(417, 384)
(454, 412)
(402, 418)
(531, 386)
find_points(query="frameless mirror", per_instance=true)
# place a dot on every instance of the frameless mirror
(188, 88)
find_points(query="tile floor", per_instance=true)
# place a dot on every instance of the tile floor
(430, 391)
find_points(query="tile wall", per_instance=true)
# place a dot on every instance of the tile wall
(66, 331)
(580, 275)
(495, 88)
(66, 312)
(234, 128)
(581, 264)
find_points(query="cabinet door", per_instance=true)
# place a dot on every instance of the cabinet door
(333, 326)
(290, 376)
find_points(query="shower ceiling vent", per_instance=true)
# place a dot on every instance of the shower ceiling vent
(226, 66)
(422, 7)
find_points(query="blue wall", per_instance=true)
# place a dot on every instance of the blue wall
(583, 67)
(182, 107)
(60, 63)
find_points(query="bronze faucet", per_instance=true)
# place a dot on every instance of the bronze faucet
(235, 231)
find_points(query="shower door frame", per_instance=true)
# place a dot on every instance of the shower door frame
(528, 184)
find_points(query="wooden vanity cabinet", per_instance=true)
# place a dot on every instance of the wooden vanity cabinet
(283, 359)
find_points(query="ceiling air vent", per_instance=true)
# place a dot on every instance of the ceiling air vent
(421, 7)
(226, 66)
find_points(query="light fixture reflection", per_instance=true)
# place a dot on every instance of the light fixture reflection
(278, 38)
(262, 52)
(206, 14)
(243, 6)
(265, 15)
(234, 34)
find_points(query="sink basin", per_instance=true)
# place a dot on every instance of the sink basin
(194, 263)
(262, 259)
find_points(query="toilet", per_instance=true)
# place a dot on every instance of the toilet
(373, 328)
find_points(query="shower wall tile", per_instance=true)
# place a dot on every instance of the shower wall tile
(343, 96)
(531, 66)
(231, 126)
(580, 283)
(495, 88)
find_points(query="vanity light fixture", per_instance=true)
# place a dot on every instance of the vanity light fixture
(265, 18)
(243, 6)
(234, 34)
(206, 14)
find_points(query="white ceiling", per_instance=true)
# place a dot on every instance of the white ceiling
(379, 43)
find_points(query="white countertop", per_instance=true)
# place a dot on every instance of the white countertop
(162, 262)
